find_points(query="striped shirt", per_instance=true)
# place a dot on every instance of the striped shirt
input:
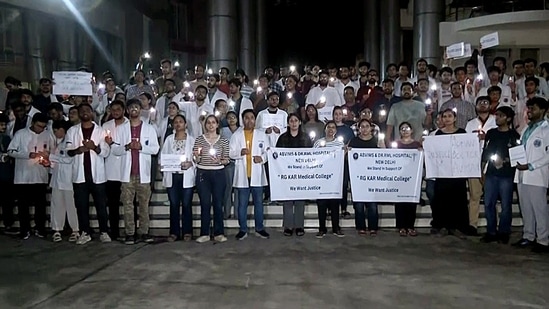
(219, 149)
(323, 143)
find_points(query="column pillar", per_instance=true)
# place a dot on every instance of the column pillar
(247, 37)
(261, 47)
(390, 38)
(222, 34)
(36, 43)
(371, 32)
(427, 16)
(66, 45)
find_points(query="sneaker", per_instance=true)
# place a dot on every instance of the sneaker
(241, 235)
(11, 230)
(105, 237)
(320, 235)
(203, 238)
(339, 233)
(83, 239)
(130, 240)
(488, 238)
(39, 234)
(299, 232)
(288, 232)
(25, 236)
(220, 238)
(74, 237)
(146, 238)
(263, 234)
(523, 243)
(57, 237)
(346, 215)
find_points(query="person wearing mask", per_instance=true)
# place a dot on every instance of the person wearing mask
(86, 143)
(294, 211)
(213, 92)
(180, 184)
(498, 182)
(237, 102)
(113, 166)
(409, 111)
(366, 139)
(211, 154)
(62, 195)
(30, 147)
(323, 96)
(292, 100)
(7, 198)
(329, 141)
(195, 112)
(135, 142)
(227, 132)
(449, 207)
(139, 87)
(163, 102)
(44, 98)
(465, 111)
(405, 213)
(532, 178)
(248, 149)
(167, 74)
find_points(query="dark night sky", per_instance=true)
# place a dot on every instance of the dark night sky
(318, 32)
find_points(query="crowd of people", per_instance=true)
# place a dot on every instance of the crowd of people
(110, 145)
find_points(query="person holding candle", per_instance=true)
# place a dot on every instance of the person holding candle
(323, 96)
(405, 213)
(533, 178)
(465, 111)
(323, 205)
(30, 147)
(449, 207)
(195, 112)
(168, 94)
(237, 102)
(366, 139)
(211, 154)
(248, 148)
(312, 126)
(148, 112)
(165, 126)
(499, 175)
(407, 110)
(213, 91)
(227, 132)
(345, 133)
(135, 142)
(180, 184)
(294, 211)
(292, 100)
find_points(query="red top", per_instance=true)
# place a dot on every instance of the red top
(136, 133)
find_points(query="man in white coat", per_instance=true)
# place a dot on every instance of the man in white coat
(248, 148)
(135, 141)
(31, 147)
(532, 178)
(196, 111)
(86, 143)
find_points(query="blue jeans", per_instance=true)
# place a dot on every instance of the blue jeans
(178, 197)
(243, 198)
(360, 216)
(502, 187)
(211, 187)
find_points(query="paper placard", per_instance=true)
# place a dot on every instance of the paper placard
(72, 83)
(468, 52)
(455, 50)
(171, 162)
(386, 175)
(489, 40)
(452, 156)
(273, 120)
(517, 154)
(325, 113)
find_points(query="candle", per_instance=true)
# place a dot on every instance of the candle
(369, 90)
(259, 89)
(455, 110)
(204, 113)
(332, 79)
(480, 77)
(217, 113)
(186, 84)
(322, 143)
(425, 132)
(190, 94)
(382, 112)
(322, 99)
(394, 145)
(434, 87)
(340, 138)
(290, 95)
(212, 152)
(381, 136)
(256, 82)
(480, 128)
(108, 133)
(494, 157)
(428, 101)
(510, 79)
(210, 71)
(468, 81)
(518, 141)
(312, 135)
(183, 158)
(344, 112)
(231, 103)
(292, 68)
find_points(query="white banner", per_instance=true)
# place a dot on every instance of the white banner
(273, 120)
(386, 175)
(455, 50)
(468, 52)
(489, 40)
(452, 156)
(72, 83)
(325, 113)
(171, 162)
(305, 173)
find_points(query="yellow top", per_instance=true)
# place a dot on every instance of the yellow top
(248, 136)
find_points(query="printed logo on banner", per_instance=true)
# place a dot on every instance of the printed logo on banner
(260, 145)
(275, 155)
(355, 156)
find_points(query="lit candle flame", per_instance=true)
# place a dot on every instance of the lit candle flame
(494, 157)
(428, 101)
(190, 94)
(210, 71)
(292, 68)
(259, 89)
(212, 152)
(217, 113)
(340, 138)
(480, 77)
(186, 84)
(344, 111)
(290, 95)
(322, 143)
(394, 145)
(332, 79)
(256, 82)
(455, 110)
(312, 135)
(204, 113)
(382, 112)
(434, 87)
(381, 136)
(183, 158)
(425, 132)
(231, 103)
(322, 99)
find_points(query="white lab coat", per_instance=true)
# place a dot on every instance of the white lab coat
(273, 137)
(149, 147)
(74, 140)
(330, 93)
(113, 164)
(61, 166)
(245, 104)
(543, 89)
(506, 96)
(217, 96)
(193, 114)
(259, 145)
(100, 103)
(474, 124)
(162, 106)
(31, 113)
(537, 154)
(189, 174)
(27, 170)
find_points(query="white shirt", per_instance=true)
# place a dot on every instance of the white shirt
(506, 97)
(113, 164)
(398, 84)
(331, 94)
(193, 113)
(340, 87)
(273, 137)
(537, 154)
(217, 96)
(24, 142)
(543, 89)
(61, 165)
(475, 124)
(485, 80)
(188, 174)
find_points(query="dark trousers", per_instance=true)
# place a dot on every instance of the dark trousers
(323, 206)
(7, 201)
(267, 188)
(113, 203)
(32, 195)
(365, 210)
(82, 193)
(180, 197)
(211, 187)
(405, 214)
(450, 207)
(345, 192)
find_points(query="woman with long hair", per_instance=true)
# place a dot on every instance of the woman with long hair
(165, 127)
(312, 126)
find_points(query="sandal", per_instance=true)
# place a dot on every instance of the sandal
(412, 232)
(187, 237)
(403, 233)
(74, 237)
(373, 233)
(172, 238)
(57, 237)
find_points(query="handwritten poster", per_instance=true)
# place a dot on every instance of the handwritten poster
(72, 83)
(489, 40)
(452, 156)
(455, 50)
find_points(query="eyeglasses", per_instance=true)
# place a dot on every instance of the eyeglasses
(484, 102)
(405, 129)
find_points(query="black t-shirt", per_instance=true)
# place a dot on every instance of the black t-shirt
(458, 131)
(357, 142)
(498, 143)
(301, 140)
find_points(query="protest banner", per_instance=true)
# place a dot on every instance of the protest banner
(455, 50)
(489, 40)
(305, 173)
(325, 113)
(452, 156)
(386, 175)
(171, 162)
(72, 83)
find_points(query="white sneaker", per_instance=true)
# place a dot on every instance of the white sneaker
(83, 239)
(203, 238)
(105, 237)
(57, 237)
(220, 238)
(74, 237)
